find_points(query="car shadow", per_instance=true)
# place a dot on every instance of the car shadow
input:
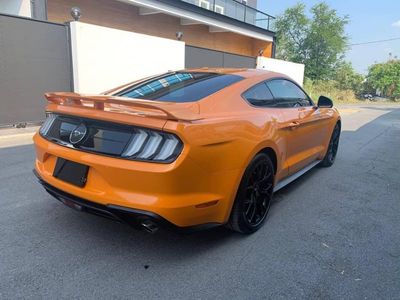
(383, 107)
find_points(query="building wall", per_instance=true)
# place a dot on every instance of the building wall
(293, 70)
(34, 59)
(16, 7)
(104, 58)
(115, 14)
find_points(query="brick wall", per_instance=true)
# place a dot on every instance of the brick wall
(115, 14)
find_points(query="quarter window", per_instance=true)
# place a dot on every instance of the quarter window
(288, 94)
(260, 95)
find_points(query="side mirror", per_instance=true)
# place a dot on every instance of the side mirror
(325, 102)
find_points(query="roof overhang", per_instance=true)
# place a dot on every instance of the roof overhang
(192, 15)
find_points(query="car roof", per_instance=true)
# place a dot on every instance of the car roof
(243, 72)
(248, 74)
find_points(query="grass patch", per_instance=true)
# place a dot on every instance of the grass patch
(329, 88)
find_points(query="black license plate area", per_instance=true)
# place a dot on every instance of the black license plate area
(71, 172)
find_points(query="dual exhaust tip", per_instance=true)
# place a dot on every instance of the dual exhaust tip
(149, 226)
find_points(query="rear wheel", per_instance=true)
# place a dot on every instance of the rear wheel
(330, 156)
(254, 196)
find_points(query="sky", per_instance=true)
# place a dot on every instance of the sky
(370, 20)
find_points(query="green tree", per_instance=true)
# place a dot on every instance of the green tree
(385, 77)
(347, 78)
(318, 41)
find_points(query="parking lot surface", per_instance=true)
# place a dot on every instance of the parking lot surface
(334, 233)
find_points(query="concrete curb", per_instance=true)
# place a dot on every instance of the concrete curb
(7, 133)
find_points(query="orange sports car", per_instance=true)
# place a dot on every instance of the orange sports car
(188, 149)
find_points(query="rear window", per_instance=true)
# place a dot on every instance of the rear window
(180, 86)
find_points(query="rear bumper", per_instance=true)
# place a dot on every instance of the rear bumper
(183, 193)
(133, 217)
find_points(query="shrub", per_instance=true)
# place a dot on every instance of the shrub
(329, 88)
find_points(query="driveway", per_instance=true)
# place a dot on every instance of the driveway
(334, 233)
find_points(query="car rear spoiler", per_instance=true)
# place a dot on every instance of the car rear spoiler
(155, 109)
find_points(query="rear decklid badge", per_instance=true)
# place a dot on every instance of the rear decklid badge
(78, 134)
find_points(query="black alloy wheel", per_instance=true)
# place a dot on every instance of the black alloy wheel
(332, 148)
(254, 196)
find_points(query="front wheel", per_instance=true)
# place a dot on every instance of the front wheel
(254, 196)
(330, 156)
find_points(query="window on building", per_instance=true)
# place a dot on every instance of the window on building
(219, 9)
(204, 4)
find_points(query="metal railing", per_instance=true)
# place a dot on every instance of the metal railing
(237, 10)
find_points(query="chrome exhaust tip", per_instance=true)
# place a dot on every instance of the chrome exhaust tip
(149, 226)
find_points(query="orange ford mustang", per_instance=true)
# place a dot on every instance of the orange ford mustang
(188, 149)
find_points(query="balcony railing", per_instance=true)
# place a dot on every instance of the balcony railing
(238, 11)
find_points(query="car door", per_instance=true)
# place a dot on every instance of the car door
(260, 96)
(300, 123)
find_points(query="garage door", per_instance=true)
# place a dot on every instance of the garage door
(34, 59)
(200, 57)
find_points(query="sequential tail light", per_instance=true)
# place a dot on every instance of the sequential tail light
(129, 142)
(47, 124)
(152, 145)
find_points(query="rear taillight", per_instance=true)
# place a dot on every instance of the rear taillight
(47, 124)
(152, 145)
(117, 140)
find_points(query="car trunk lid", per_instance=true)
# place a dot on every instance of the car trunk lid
(140, 112)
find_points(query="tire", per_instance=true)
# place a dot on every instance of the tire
(254, 196)
(330, 156)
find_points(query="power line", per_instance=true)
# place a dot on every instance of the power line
(375, 42)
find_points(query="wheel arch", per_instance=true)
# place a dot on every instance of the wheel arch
(272, 155)
(267, 147)
(339, 121)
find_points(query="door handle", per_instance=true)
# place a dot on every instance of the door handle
(293, 125)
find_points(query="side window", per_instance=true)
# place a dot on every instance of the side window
(287, 94)
(260, 95)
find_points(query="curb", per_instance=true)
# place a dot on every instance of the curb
(18, 132)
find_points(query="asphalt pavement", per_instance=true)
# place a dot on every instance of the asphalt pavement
(332, 234)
